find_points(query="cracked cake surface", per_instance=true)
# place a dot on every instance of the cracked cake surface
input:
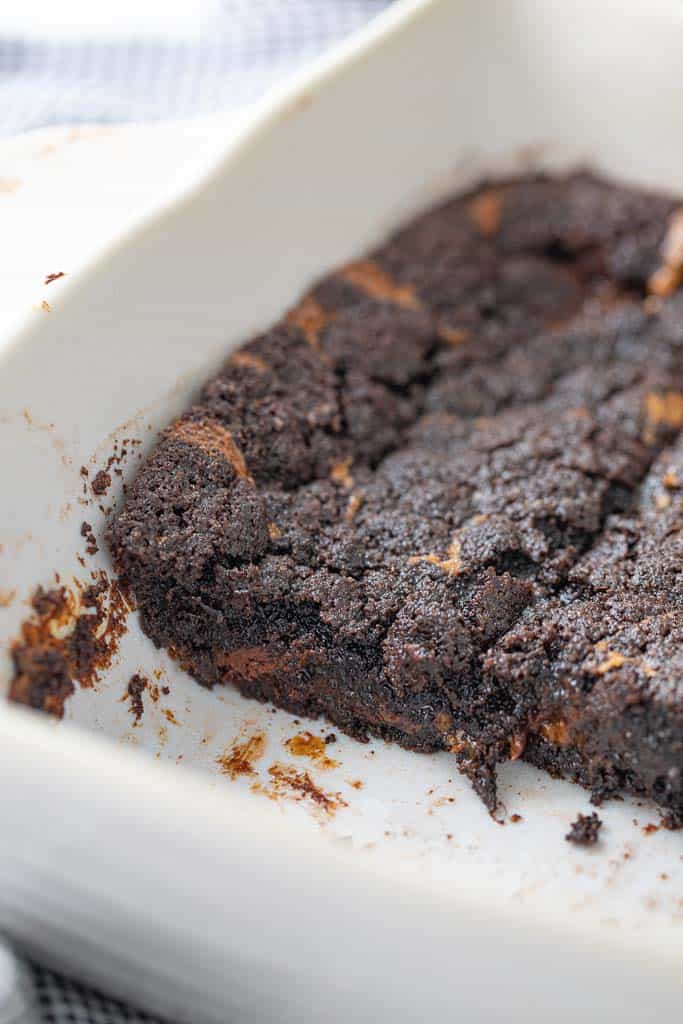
(441, 501)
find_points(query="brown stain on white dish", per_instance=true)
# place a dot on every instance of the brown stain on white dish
(71, 637)
(35, 424)
(7, 597)
(287, 782)
(81, 133)
(239, 759)
(305, 744)
(444, 801)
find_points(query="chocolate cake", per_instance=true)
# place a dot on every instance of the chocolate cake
(441, 501)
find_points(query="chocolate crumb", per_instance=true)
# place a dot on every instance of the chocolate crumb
(136, 687)
(584, 831)
(87, 532)
(101, 482)
(673, 821)
(331, 737)
(68, 639)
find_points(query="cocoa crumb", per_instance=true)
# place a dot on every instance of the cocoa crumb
(136, 687)
(101, 482)
(68, 639)
(331, 737)
(91, 544)
(584, 831)
(54, 277)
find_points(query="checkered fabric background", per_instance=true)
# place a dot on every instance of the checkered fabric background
(137, 60)
(62, 1001)
(197, 57)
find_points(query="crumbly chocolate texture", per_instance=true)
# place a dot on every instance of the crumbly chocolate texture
(585, 831)
(70, 637)
(432, 503)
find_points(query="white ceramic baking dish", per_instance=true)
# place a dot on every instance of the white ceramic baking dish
(125, 851)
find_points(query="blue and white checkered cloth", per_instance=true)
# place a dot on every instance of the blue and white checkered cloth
(79, 61)
(217, 56)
